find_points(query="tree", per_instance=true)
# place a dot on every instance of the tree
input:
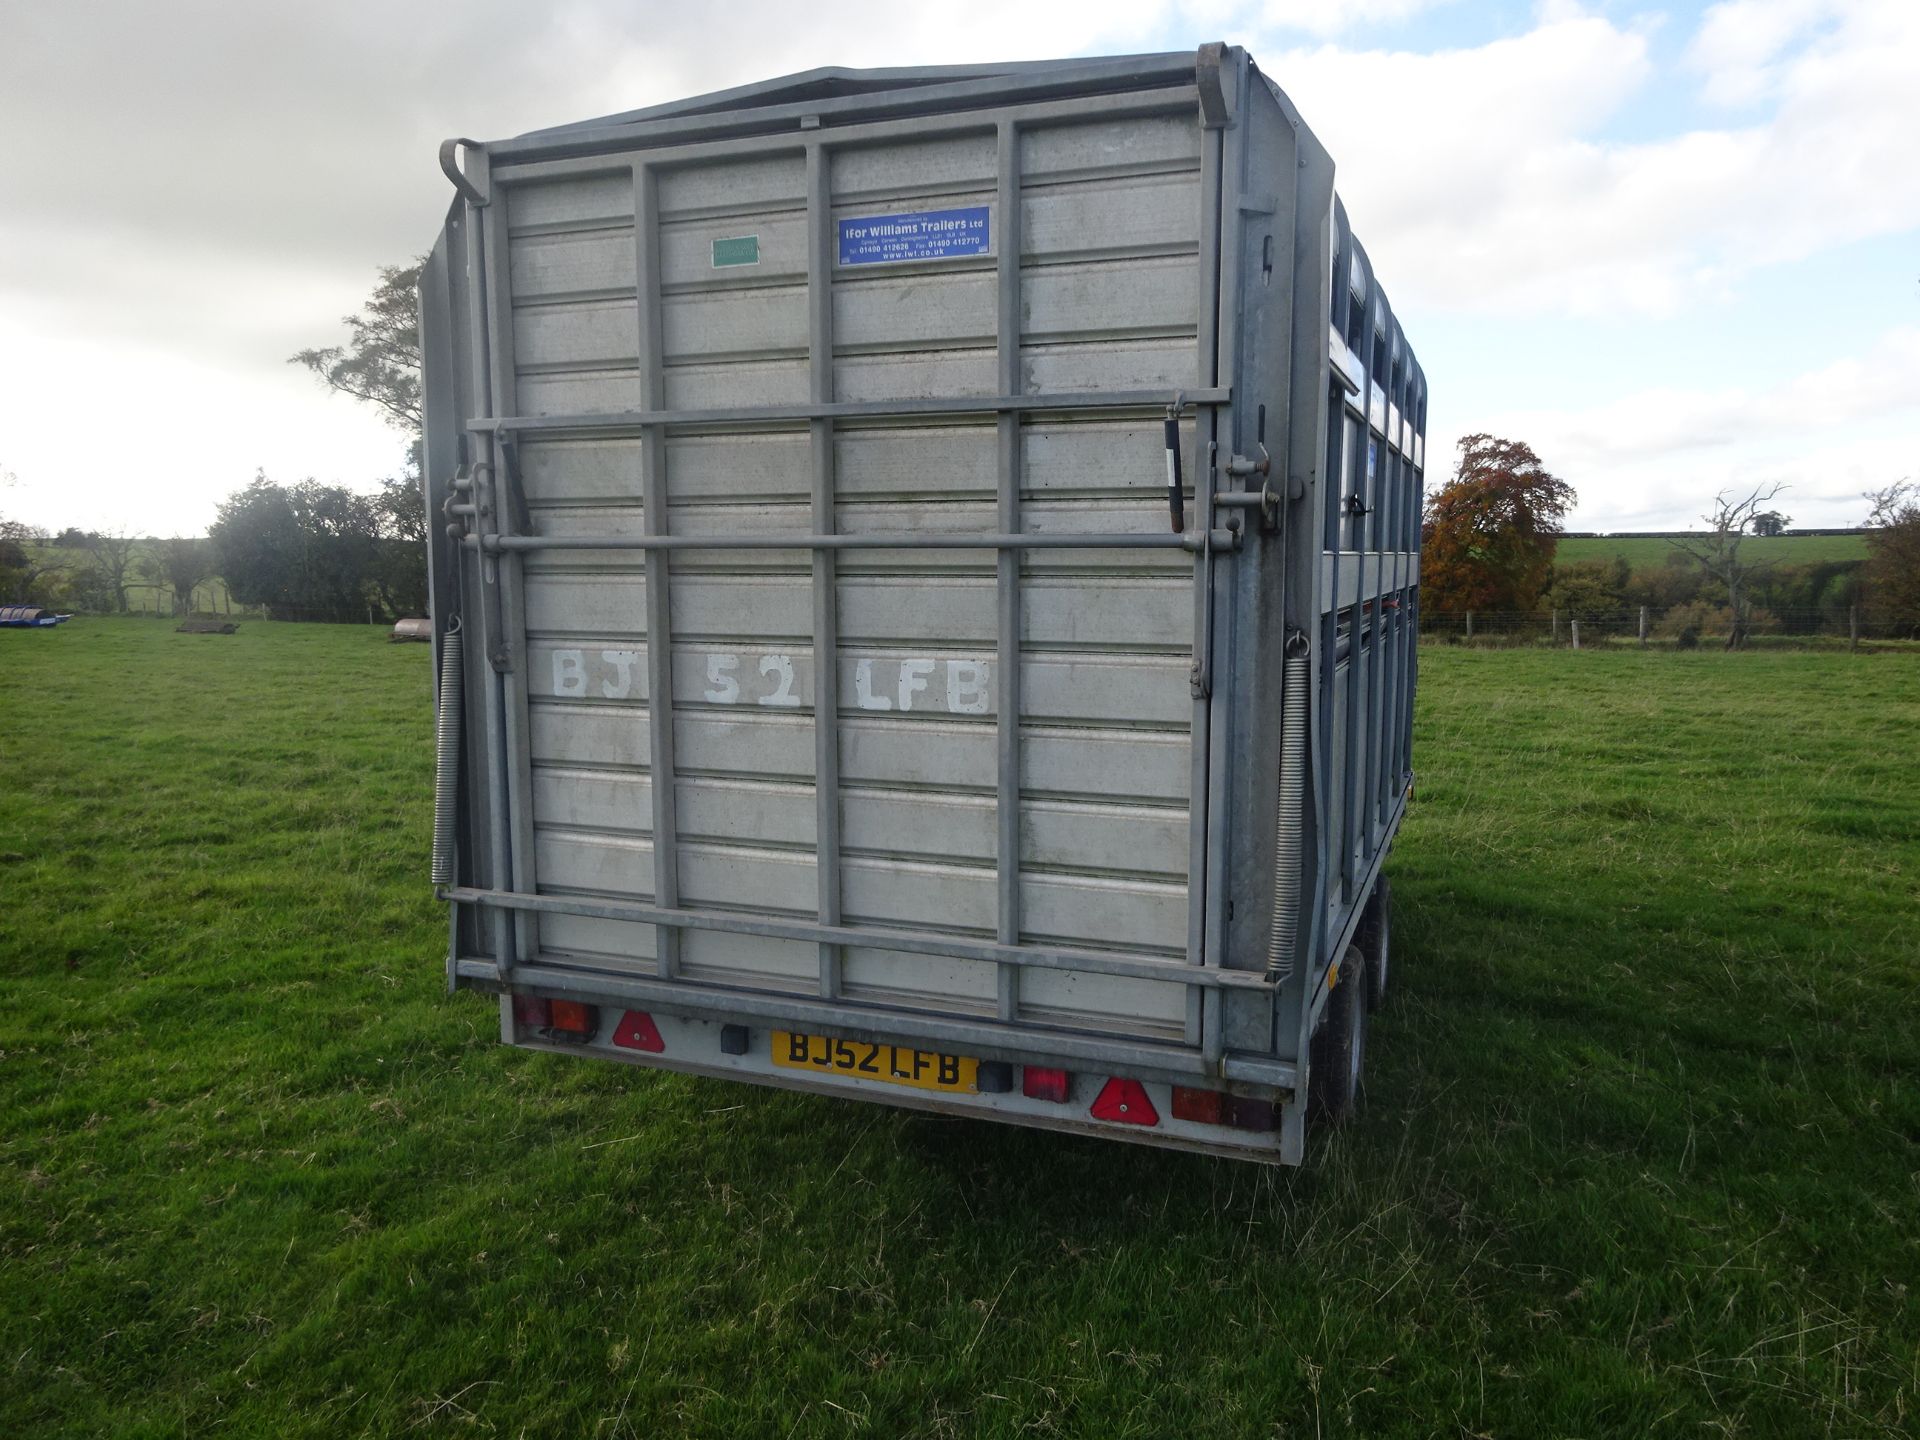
(181, 564)
(110, 558)
(1771, 522)
(380, 363)
(27, 562)
(400, 573)
(1490, 532)
(1718, 552)
(1893, 554)
(1592, 591)
(310, 551)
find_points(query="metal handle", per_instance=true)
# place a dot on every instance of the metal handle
(1175, 503)
(450, 166)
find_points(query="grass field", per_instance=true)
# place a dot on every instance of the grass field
(1641, 1155)
(1781, 549)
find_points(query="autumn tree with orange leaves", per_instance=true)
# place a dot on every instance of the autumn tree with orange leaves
(1489, 534)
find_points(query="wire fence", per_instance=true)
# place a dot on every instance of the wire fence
(1679, 627)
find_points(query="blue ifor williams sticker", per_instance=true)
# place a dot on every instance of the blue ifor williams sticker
(917, 235)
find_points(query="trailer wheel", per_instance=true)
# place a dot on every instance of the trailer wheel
(1339, 1054)
(1376, 938)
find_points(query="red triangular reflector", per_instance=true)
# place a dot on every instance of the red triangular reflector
(636, 1031)
(1127, 1102)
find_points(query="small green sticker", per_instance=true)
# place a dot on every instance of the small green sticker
(736, 250)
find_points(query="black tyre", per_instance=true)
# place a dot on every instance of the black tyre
(1376, 939)
(1339, 1056)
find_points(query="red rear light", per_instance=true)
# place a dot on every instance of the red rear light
(1125, 1101)
(532, 1012)
(636, 1031)
(1037, 1082)
(570, 1017)
(1206, 1107)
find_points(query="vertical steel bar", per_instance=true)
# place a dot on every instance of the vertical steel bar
(513, 627)
(1379, 505)
(826, 609)
(1402, 574)
(1386, 528)
(1207, 888)
(653, 515)
(1205, 431)
(1007, 704)
(480, 384)
(1353, 756)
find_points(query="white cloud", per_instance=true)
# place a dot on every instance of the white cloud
(106, 433)
(1740, 45)
(1331, 17)
(1656, 457)
(192, 191)
(1477, 181)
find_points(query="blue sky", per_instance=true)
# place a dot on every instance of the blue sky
(1676, 247)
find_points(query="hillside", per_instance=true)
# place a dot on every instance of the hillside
(1642, 552)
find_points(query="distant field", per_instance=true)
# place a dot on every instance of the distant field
(1785, 549)
(146, 596)
(1639, 1156)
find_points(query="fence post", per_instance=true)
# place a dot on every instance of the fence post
(1469, 624)
(1556, 627)
(1643, 627)
(1576, 633)
(1853, 628)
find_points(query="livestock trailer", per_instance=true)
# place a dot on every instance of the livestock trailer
(924, 594)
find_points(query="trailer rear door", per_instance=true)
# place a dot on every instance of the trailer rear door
(848, 651)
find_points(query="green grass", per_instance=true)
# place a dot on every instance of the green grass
(1642, 554)
(1640, 1155)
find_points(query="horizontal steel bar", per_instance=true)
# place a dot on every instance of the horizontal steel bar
(854, 410)
(854, 1020)
(613, 153)
(1097, 962)
(921, 105)
(914, 540)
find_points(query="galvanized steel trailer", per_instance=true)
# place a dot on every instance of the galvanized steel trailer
(924, 593)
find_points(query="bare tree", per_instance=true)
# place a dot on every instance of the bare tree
(27, 562)
(1718, 550)
(112, 559)
(181, 564)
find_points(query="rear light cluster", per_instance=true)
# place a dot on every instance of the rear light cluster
(557, 1019)
(1216, 1107)
(1126, 1102)
(1120, 1101)
(1208, 1107)
(577, 1022)
(1040, 1083)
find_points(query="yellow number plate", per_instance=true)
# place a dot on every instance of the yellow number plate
(890, 1064)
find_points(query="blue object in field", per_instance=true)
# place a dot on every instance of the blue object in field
(29, 617)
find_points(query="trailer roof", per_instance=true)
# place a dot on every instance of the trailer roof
(833, 93)
(835, 82)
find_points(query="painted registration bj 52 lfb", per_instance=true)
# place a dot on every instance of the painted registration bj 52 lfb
(925, 579)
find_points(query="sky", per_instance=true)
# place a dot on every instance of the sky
(1674, 247)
